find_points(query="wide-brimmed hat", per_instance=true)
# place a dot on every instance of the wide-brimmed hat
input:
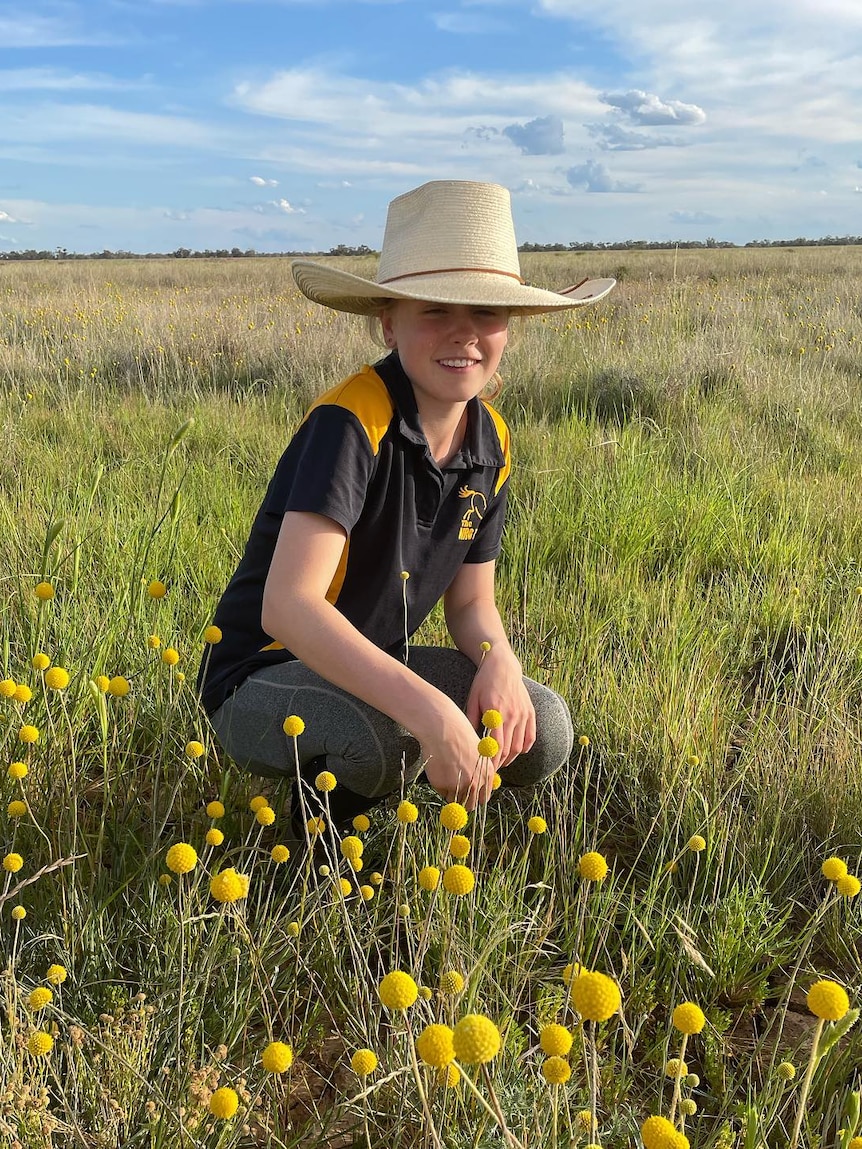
(448, 241)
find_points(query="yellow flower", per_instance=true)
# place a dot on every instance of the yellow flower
(492, 719)
(595, 996)
(12, 863)
(154, 642)
(855, 1143)
(488, 747)
(118, 686)
(224, 1103)
(164, 879)
(496, 781)
(325, 781)
(407, 812)
(277, 1057)
(28, 734)
(194, 749)
(315, 826)
(293, 929)
(229, 886)
(265, 815)
(279, 854)
(215, 809)
(7, 688)
(212, 635)
(258, 802)
(450, 1076)
(583, 740)
(426, 992)
(398, 990)
(157, 589)
(584, 1120)
(102, 683)
(293, 726)
(688, 1107)
(170, 656)
(451, 982)
(696, 843)
(675, 1067)
(40, 1044)
(40, 661)
(214, 837)
(44, 591)
(180, 677)
(833, 869)
(485, 646)
(18, 913)
(363, 1062)
(593, 867)
(367, 893)
(555, 1040)
(571, 971)
(181, 858)
(351, 847)
(429, 877)
(23, 693)
(537, 825)
(828, 1000)
(458, 880)
(17, 771)
(659, 1133)
(16, 809)
(345, 887)
(848, 886)
(434, 1045)
(376, 878)
(361, 823)
(57, 678)
(476, 1039)
(556, 1070)
(56, 974)
(40, 997)
(453, 816)
(459, 847)
(688, 1018)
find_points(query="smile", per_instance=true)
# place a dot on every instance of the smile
(459, 362)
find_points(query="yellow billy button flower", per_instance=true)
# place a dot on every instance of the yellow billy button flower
(367, 893)
(293, 726)
(696, 843)
(7, 688)
(833, 869)
(376, 878)
(476, 1039)
(16, 808)
(181, 858)
(659, 1133)
(434, 1045)
(584, 1120)
(56, 974)
(828, 1000)
(40, 997)
(488, 747)
(451, 982)
(170, 656)
(214, 837)
(12, 863)
(492, 719)
(426, 992)
(398, 990)
(277, 1057)
(458, 880)
(18, 913)
(459, 847)
(407, 812)
(258, 802)
(102, 683)
(265, 815)
(17, 771)
(279, 854)
(555, 1040)
(154, 642)
(157, 589)
(40, 661)
(23, 693)
(363, 1062)
(224, 1103)
(44, 591)
(593, 867)
(212, 635)
(848, 886)
(229, 886)
(429, 877)
(537, 825)
(595, 996)
(293, 929)
(688, 1018)
(496, 781)
(345, 887)
(316, 826)
(325, 781)
(118, 686)
(194, 749)
(571, 971)
(40, 1044)
(215, 809)
(454, 816)
(361, 823)
(28, 734)
(556, 1070)
(675, 1067)
(351, 847)
(688, 1107)
(584, 740)
(57, 678)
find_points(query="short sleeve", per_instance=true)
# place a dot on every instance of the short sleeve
(489, 537)
(325, 469)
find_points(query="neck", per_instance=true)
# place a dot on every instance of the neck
(444, 431)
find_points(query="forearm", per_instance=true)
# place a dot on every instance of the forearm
(478, 621)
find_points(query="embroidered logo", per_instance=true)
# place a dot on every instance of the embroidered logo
(477, 508)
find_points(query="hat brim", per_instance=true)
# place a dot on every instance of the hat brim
(345, 292)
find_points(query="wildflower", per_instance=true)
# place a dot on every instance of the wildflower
(258, 802)
(476, 1039)
(691, 1080)
(595, 996)
(555, 1040)
(170, 656)
(265, 815)
(40, 661)
(351, 847)
(23, 693)
(40, 1044)
(688, 1107)
(367, 893)
(215, 809)
(826, 1000)
(675, 1068)
(56, 974)
(458, 880)
(571, 971)
(293, 726)
(434, 1045)
(459, 847)
(279, 854)
(12, 863)
(102, 683)
(212, 635)
(17, 771)
(833, 869)
(488, 747)
(659, 1133)
(345, 887)
(556, 1070)
(404, 910)
(696, 843)
(118, 686)
(855, 1143)
(584, 1120)
(293, 929)
(315, 826)
(194, 749)
(40, 997)
(688, 1018)
(361, 823)
(164, 879)
(28, 734)
(376, 878)
(224, 1103)
(593, 867)
(453, 816)
(363, 1062)
(181, 858)
(848, 886)
(496, 781)
(325, 781)
(426, 992)
(229, 886)
(537, 825)
(485, 646)
(583, 740)
(407, 812)
(154, 642)
(44, 591)
(18, 913)
(693, 759)
(16, 808)
(180, 677)
(398, 990)
(214, 837)
(451, 982)
(429, 877)
(7, 688)
(450, 1076)
(277, 1057)
(57, 678)
(492, 719)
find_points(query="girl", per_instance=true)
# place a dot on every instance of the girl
(391, 495)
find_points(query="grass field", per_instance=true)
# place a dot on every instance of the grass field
(683, 562)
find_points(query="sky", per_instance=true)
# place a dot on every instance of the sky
(289, 125)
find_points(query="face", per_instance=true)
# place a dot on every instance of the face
(449, 351)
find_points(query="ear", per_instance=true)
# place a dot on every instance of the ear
(388, 330)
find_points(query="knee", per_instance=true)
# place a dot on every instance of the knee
(555, 738)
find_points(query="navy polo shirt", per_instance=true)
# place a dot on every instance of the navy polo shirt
(360, 457)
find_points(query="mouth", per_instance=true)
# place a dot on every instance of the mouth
(459, 363)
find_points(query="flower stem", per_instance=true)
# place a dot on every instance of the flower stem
(813, 1062)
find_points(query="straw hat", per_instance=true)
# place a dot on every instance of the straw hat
(448, 241)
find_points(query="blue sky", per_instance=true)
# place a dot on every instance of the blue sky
(150, 125)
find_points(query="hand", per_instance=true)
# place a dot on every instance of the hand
(451, 759)
(499, 685)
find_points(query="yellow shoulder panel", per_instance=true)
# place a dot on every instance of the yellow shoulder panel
(366, 396)
(503, 436)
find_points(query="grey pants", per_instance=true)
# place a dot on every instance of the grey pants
(365, 750)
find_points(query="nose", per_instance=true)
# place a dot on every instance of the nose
(463, 325)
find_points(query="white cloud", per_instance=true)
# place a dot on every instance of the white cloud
(595, 177)
(469, 23)
(287, 208)
(57, 123)
(260, 182)
(693, 217)
(5, 217)
(543, 136)
(650, 110)
(22, 30)
(52, 79)
(614, 138)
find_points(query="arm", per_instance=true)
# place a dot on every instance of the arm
(295, 612)
(472, 618)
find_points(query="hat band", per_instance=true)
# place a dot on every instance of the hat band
(448, 271)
